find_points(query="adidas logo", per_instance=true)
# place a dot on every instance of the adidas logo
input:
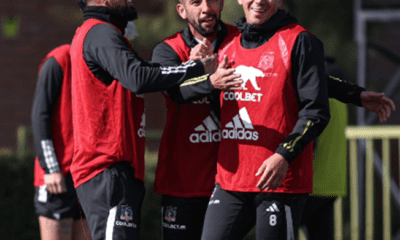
(242, 127)
(210, 129)
(272, 208)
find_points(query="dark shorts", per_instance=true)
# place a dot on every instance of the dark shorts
(57, 206)
(182, 218)
(231, 215)
(317, 219)
(112, 203)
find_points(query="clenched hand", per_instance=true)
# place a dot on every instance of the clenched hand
(55, 183)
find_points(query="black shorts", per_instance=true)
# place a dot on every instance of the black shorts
(231, 215)
(57, 206)
(182, 218)
(112, 202)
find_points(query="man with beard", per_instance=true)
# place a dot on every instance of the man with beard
(188, 150)
(108, 79)
(186, 167)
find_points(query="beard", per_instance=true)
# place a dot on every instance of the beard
(206, 32)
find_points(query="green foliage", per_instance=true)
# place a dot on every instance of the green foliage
(232, 12)
(10, 26)
(17, 218)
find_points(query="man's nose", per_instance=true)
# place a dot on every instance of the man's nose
(206, 6)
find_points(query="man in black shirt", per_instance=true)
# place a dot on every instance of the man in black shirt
(108, 78)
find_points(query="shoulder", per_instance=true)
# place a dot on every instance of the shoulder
(104, 34)
(165, 54)
(162, 47)
(308, 40)
(50, 64)
(176, 41)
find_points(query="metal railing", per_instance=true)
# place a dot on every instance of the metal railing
(369, 134)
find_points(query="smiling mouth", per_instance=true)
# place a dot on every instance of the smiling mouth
(208, 19)
(258, 10)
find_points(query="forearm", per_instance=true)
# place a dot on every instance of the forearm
(191, 91)
(310, 84)
(344, 91)
(183, 93)
(47, 92)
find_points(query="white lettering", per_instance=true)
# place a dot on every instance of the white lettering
(202, 101)
(174, 226)
(241, 134)
(242, 96)
(214, 202)
(125, 224)
(206, 137)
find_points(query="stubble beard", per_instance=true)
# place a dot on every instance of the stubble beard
(204, 32)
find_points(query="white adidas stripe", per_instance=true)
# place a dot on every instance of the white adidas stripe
(177, 69)
(241, 120)
(273, 208)
(211, 123)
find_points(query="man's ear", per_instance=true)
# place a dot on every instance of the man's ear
(181, 11)
(222, 5)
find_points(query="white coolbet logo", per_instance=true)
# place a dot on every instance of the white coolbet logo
(240, 127)
(208, 131)
(142, 132)
(202, 101)
(249, 73)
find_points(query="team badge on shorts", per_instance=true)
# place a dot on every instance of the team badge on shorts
(170, 214)
(126, 213)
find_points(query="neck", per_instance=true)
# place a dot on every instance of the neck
(200, 37)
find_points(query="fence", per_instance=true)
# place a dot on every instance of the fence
(369, 134)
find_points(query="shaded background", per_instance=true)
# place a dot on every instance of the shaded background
(30, 29)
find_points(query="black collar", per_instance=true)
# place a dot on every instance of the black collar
(106, 15)
(254, 36)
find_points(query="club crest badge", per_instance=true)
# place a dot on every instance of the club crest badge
(170, 214)
(267, 61)
(126, 213)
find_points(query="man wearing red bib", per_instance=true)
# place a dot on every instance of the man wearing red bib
(191, 137)
(264, 166)
(108, 82)
(186, 167)
(55, 200)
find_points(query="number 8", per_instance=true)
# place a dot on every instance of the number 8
(272, 220)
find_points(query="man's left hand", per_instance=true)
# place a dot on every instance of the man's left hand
(272, 172)
(377, 103)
